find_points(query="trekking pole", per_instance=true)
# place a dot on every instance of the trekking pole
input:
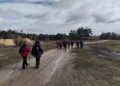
(29, 60)
(16, 66)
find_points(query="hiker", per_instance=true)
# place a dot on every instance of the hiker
(77, 44)
(81, 44)
(65, 45)
(60, 44)
(57, 43)
(72, 43)
(37, 52)
(24, 51)
(68, 43)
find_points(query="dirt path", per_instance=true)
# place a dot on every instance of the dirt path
(51, 62)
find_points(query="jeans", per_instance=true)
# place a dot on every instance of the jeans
(24, 62)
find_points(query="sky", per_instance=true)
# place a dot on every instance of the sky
(60, 16)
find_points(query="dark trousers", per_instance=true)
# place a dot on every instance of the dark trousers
(81, 45)
(24, 62)
(37, 62)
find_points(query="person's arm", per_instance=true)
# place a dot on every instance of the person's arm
(40, 49)
(33, 50)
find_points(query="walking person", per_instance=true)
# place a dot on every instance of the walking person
(24, 51)
(60, 45)
(81, 44)
(37, 52)
(65, 45)
(77, 44)
(72, 44)
(68, 43)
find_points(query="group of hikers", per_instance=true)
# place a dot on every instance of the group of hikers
(36, 52)
(69, 44)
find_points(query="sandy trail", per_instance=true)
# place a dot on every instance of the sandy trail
(51, 61)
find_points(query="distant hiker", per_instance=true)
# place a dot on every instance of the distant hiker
(60, 44)
(57, 43)
(72, 43)
(65, 45)
(81, 44)
(77, 44)
(24, 51)
(37, 52)
(68, 43)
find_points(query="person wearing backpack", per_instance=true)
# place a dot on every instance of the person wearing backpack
(24, 51)
(37, 52)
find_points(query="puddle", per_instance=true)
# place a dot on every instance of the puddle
(111, 54)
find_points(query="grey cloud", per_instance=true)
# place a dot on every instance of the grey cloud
(64, 15)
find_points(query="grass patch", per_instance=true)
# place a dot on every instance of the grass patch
(110, 46)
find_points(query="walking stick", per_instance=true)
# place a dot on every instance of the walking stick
(16, 66)
(29, 60)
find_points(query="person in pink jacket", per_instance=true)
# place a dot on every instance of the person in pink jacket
(24, 51)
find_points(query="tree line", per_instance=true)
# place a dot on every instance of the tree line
(110, 35)
(80, 33)
(73, 35)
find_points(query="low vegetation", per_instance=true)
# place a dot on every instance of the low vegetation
(94, 69)
(112, 45)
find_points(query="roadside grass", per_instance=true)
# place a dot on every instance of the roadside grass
(48, 47)
(95, 70)
(112, 45)
(8, 56)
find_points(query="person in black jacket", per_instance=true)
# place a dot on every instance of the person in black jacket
(81, 44)
(37, 52)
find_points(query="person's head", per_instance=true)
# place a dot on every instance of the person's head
(25, 42)
(37, 42)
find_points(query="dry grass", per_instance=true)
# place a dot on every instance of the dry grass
(95, 70)
(8, 56)
(7, 42)
(110, 46)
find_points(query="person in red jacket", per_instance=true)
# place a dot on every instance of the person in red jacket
(24, 51)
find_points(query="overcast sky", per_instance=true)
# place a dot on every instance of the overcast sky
(53, 16)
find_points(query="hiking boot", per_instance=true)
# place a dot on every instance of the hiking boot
(37, 67)
(23, 68)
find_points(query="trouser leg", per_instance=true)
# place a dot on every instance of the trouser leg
(81, 45)
(24, 62)
(37, 62)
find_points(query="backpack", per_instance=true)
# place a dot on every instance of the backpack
(22, 49)
(36, 50)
